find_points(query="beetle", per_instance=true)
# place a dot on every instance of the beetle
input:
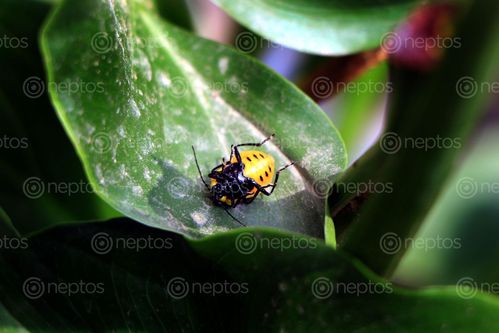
(240, 179)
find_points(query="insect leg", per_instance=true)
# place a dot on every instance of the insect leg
(241, 223)
(272, 186)
(235, 151)
(199, 170)
(233, 203)
(255, 144)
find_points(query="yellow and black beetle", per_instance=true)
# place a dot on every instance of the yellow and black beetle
(243, 177)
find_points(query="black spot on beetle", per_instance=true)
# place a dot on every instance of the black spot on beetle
(255, 156)
(261, 178)
(270, 169)
(249, 159)
(266, 174)
(262, 155)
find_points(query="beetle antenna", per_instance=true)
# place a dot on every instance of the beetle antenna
(286, 166)
(241, 223)
(199, 170)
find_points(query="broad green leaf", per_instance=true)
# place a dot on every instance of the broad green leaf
(34, 148)
(466, 244)
(325, 27)
(164, 90)
(273, 281)
(125, 289)
(437, 109)
(307, 290)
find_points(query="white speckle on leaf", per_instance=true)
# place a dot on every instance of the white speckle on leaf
(137, 190)
(68, 102)
(325, 154)
(121, 131)
(142, 62)
(199, 218)
(147, 147)
(223, 65)
(123, 172)
(164, 80)
(147, 174)
(90, 129)
(98, 174)
(134, 108)
(176, 134)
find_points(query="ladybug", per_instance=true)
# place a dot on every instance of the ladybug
(240, 179)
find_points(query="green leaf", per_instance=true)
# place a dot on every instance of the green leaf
(123, 290)
(325, 27)
(272, 281)
(305, 290)
(329, 229)
(164, 90)
(418, 151)
(466, 244)
(8, 324)
(35, 150)
(355, 110)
